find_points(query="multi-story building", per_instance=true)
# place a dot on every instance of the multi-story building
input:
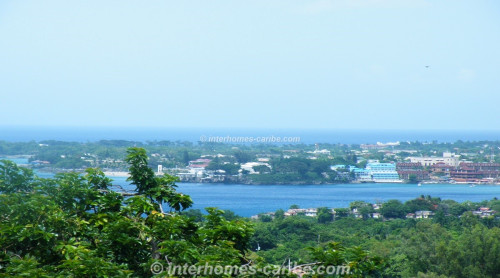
(442, 168)
(362, 175)
(378, 172)
(474, 172)
(448, 158)
(487, 170)
(405, 170)
(199, 163)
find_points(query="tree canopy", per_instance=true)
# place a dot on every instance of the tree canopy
(80, 225)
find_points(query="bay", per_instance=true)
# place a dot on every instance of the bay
(17, 160)
(248, 200)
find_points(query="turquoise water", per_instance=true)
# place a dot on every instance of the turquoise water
(248, 200)
(16, 160)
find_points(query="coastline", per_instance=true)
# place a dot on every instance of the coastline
(124, 174)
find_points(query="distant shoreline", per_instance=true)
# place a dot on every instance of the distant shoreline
(123, 174)
(308, 136)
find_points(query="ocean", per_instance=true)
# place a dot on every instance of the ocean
(307, 136)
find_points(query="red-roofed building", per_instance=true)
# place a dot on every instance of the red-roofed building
(406, 169)
(441, 168)
(200, 163)
(476, 171)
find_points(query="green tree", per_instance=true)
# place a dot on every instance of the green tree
(262, 169)
(353, 261)
(14, 178)
(158, 189)
(279, 214)
(230, 168)
(393, 209)
(324, 215)
(242, 157)
(73, 225)
(412, 178)
(419, 204)
(341, 212)
(363, 208)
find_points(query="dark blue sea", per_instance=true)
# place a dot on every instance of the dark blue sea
(307, 136)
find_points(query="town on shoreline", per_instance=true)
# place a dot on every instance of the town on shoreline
(207, 162)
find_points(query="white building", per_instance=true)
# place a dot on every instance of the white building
(317, 151)
(378, 172)
(312, 212)
(324, 151)
(423, 214)
(383, 172)
(388, 144)
(448, 158)
(249, 166)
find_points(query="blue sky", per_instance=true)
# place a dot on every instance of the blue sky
(275, 64)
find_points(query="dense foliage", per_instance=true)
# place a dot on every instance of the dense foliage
(75, 225)
(79, 225)
(452, 244)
